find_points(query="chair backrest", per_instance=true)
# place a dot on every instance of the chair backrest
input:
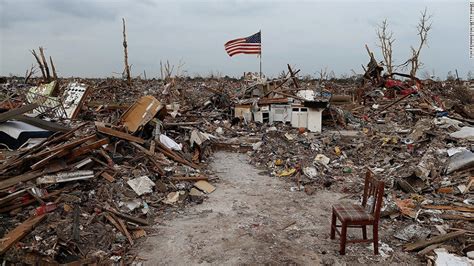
(373, 194)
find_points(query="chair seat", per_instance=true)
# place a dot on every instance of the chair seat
(352, 213)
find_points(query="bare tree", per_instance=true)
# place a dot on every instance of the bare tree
(43, 65)
(423, 27)
(127, 66)
(450, 76)
(426, 75)
(323, 74)
(30, 73)
(167, 69)
(55, 75)
(40, 64)
(470, 75)
(385, 43)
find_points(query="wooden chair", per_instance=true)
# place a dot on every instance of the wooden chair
(359, 216)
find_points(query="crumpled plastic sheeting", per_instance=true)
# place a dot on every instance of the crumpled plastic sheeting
(464, 133)
(460, 161)
(170, 143)
(443, 258)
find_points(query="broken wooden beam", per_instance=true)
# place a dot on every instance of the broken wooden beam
(122, 135)
(48, 158)
(19, 232)
(87, 148)
(435, 240)
(124, 229)
(51, 126)
(127, 217)
(171, 154)
(20, 178)
(189, 178)
(16, 112)
(108, 177)
(152, 158)
(448, 207)
(66, 146)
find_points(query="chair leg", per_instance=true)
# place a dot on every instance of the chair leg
(342, 248)
(364, 232)
(376, 238)
(333, 225)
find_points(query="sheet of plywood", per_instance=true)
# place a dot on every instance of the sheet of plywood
(141, 112)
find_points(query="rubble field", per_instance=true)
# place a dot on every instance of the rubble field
(102, 171)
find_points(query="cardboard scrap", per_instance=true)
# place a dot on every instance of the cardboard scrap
(172, 197)
(195, 192)
(141, 112)
(138, 233)
(204, 186)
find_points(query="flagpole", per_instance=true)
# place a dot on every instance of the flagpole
(260, 53)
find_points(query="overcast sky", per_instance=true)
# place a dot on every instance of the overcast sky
(85, 37)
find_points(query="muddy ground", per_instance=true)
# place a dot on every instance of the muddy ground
(252, 218)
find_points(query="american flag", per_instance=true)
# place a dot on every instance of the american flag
(248, 45)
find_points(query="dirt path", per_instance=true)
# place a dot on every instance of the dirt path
(249, 219)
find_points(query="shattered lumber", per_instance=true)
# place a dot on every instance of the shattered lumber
(115, 133)
(189, 178)
(435, 240)
(16, 112)
(19, 232)
(127, 217)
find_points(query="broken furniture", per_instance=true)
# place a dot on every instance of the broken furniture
(359, 216)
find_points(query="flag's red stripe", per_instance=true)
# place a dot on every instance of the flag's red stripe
(244, 53)
(243, 48)
(236, 40)
(243, 45)
(257, 51)
(234, 43)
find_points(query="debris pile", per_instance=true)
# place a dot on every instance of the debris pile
(88, 165)
(86, 191)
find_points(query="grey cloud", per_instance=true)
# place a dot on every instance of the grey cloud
(82, 9)
(307, 34)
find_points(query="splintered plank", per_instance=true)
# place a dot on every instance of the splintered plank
(435, 240)
(87, 148)
(66, 146)
(108, 177)
(49, 169)
(48, 158)
(189, 178)
(16, 112)
(448, 207)
(127, 217)
(20, 178)
(19, 232)
(172, 155)
(118, 134)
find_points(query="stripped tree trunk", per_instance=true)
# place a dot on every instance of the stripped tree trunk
(127, 67)
(55, 76)
(45, 64)
(39, 64)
